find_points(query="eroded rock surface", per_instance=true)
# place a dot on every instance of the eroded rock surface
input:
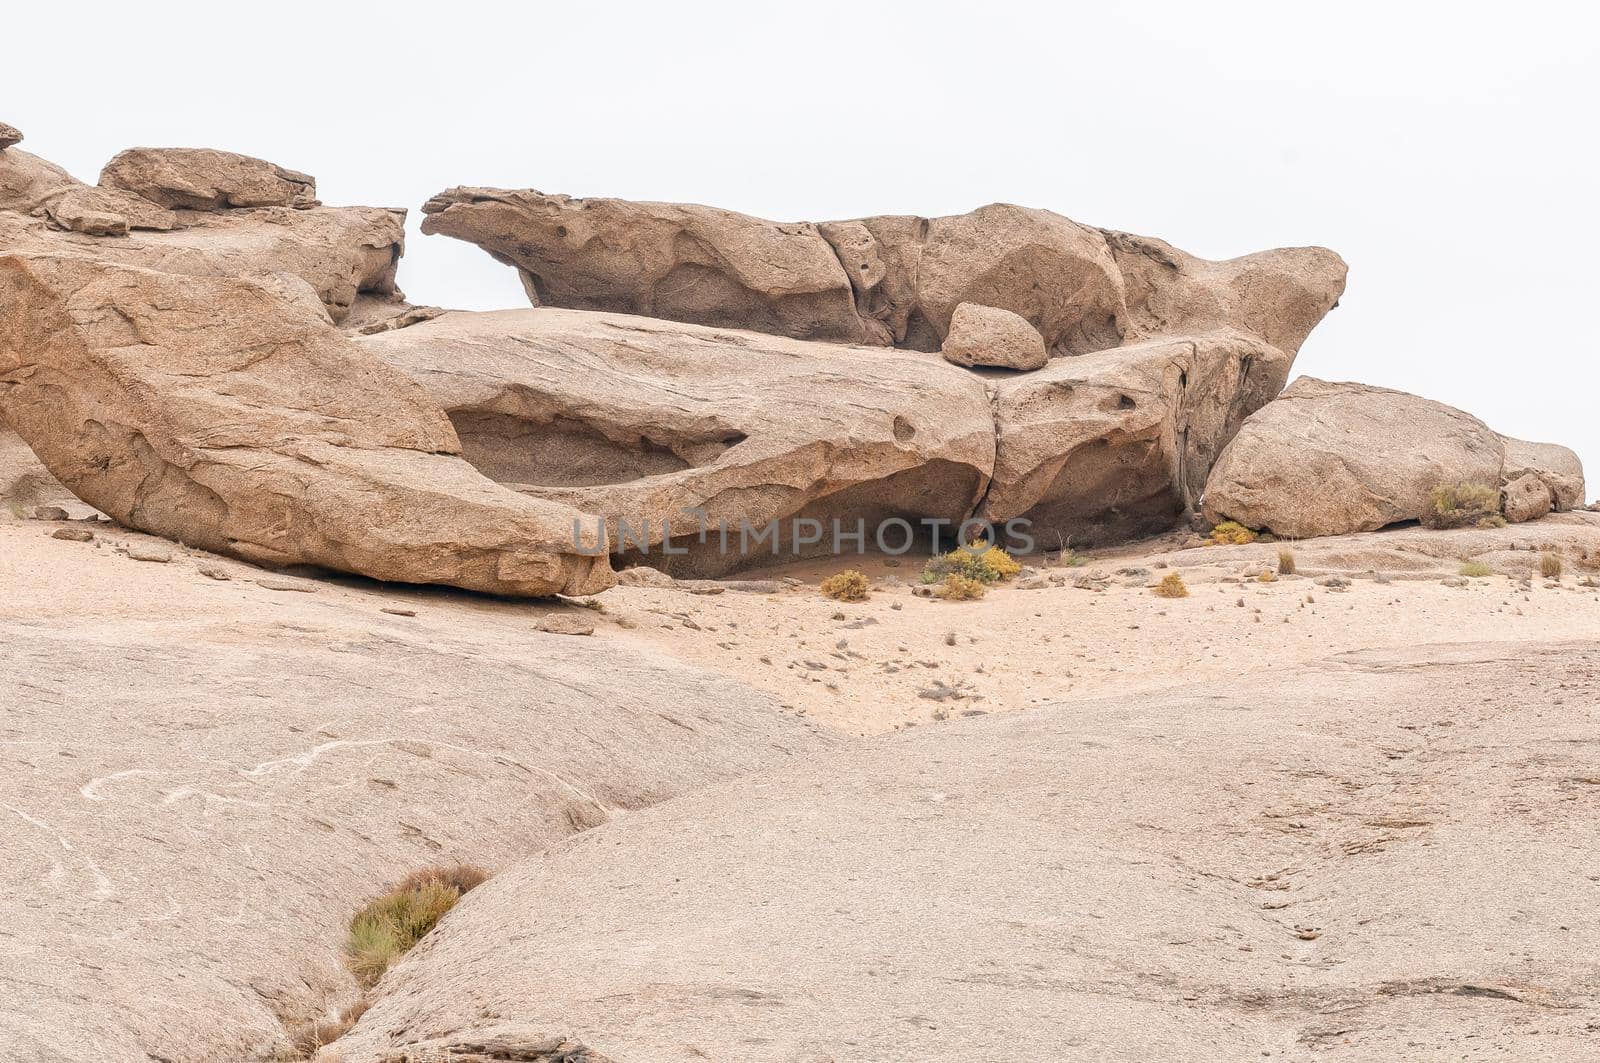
(206, 179)
(1152, 876)
(644, 420)
(885, 280)
(205, 780)
(1329, 458)
(1118, 443)
(217, 412)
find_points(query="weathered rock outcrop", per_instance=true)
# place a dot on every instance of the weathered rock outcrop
(9, 135)
(643, 421)
(885, 280)
(205, 179)
(1330, 458)
(988, 336)
(1117, 444)
(1110, 880)
(218, 412)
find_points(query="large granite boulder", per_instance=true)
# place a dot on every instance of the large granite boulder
(890, 280)
(206, 179)
(646, 421)
(1328, 458)
(220, 413)
(1117, 444)
(1556, 468)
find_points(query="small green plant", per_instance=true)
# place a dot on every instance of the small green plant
(1172, 586)
(1550, 566)
(1232, 533)
(846, 586)
(959, 588)
(1476, 570)
(383, 930)
(1286, 562)
(1463, 505)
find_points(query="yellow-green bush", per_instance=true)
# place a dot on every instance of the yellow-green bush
(1463, 505)
(1476, 569)
(959, 588)
(1232, 533)
(986, 564)
(1550, 566)
(1286, 562)
(1172, 586)
(846, 586)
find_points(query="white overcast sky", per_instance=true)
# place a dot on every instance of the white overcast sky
(1447, 151)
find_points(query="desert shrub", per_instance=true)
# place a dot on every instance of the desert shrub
(1286, 562)
(388, 926)
(1232, 533)
(989, 564)
(1463, 505)
(1476, 569)
(1172, 586)
(1550, 566)
(1267, 576)
(846, 586)
(959, 588)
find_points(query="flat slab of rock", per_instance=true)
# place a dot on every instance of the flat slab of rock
(647, 421)
(1328, 458)
(988, 336)
(216, 412)
(206, 179)
(1077, 883)
(892, 280)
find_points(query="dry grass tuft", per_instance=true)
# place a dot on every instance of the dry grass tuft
(846, 586)
(1550, 566)
(959, 588)
(1476, 569)
(1285, 562)
(1464, 505)
(309, 1039)
(1172, 586)
(388, 926)
(1267, 576)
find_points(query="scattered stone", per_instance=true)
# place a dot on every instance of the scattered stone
(286, 585)
(216, 572)
(989, 336)
(73, 535)
(393, 611)
(149, 552)
(566, 624)
(49, 513)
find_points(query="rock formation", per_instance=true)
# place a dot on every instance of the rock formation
(886, 280)
(203, 179)
(1117, 444)
(644, 421)
(994, 338)
(1328, 458)
(216, 412)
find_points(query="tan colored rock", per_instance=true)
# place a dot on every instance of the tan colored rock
(1556, 466)
(28, 183)
(74, 208)
(205, 179)
(989, 336)
(891, 280)
(665, 260)
(9, 135)
(205, 780)
(24, 482)
(339, 252)
(1110, 880)
(215, 412)
(644, 420)
(1525, 497)
(1328, 458)
(1117, 444)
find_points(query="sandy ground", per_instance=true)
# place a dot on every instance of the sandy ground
(899, 660)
